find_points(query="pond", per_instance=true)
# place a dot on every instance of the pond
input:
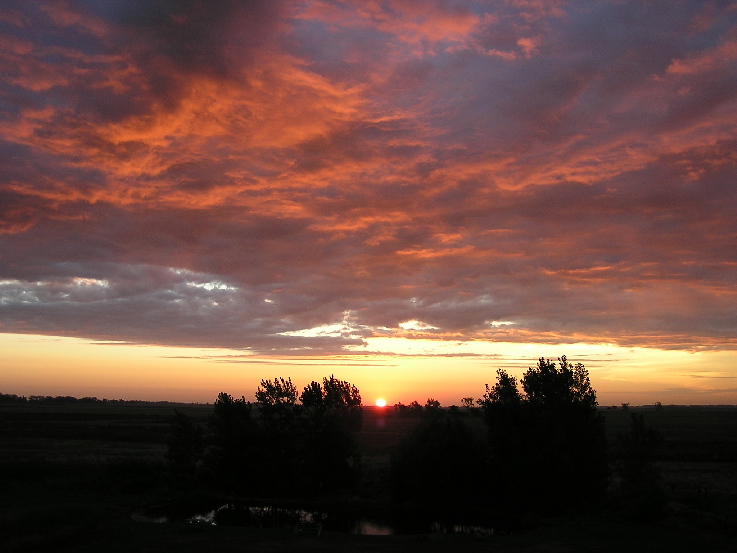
(303, 520)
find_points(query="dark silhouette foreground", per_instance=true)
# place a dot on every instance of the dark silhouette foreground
(544, 449)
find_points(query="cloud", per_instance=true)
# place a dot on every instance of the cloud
(241, 174)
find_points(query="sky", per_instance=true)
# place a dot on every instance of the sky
(409, 195)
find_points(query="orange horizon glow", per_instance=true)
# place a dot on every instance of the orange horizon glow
(194, 196)
(154, 373)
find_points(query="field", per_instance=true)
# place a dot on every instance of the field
(76, 477)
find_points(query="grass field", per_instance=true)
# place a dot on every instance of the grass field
(72, 475)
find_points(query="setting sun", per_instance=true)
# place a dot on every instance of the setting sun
(381, 402)
(412, 247)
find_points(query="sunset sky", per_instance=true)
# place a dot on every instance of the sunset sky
(196, 195)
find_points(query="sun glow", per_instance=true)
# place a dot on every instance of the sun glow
(381, 402)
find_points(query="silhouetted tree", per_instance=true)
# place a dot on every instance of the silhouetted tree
(432, 405)
(277, 392)
(277, 401)
(559, 387)
(278, 409)
(502, 409)
(503, 393)
(568, 431)
(290, 447)
(439, 466)
(234, 456)
(467, 402)
(552, 436)
(635, 465)
(12, 398)
(339, 398)
(279, 419)
(331, 417)
(185, 448)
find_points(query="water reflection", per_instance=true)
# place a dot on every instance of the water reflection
(367, 527)
(301, 520)
(260, 516)
(203, 519)
(469, 529)
(138, 517)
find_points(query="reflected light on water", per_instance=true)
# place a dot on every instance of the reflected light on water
(370, 528)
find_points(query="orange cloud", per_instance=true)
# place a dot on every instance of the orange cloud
(261, 169)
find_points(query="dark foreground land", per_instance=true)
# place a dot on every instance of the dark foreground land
(93, 477)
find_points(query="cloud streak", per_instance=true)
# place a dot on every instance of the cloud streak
(235, 175)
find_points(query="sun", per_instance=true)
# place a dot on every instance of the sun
(381, 402)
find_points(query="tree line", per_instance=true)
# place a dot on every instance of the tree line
(544, 449)
(297, 444)
(71, 400)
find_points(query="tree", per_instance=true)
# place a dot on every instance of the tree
(635, 460)
(504, 392)
(331, 417)
(235, 443)
(277, 392)
(281, 427)
(313, 395)
(277, 404)
(502, 410)
(502, 405)
(185, 448)
(341, 399)
(552, 435)
(230, 421)
(563, 386)
(289, 447)
(635, 466)
(432, 405)
(439, 466)
(331, 393)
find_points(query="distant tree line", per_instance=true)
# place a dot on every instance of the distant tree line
(415, 408)
(61, 400)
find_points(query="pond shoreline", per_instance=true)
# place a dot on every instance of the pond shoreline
(345, 515)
